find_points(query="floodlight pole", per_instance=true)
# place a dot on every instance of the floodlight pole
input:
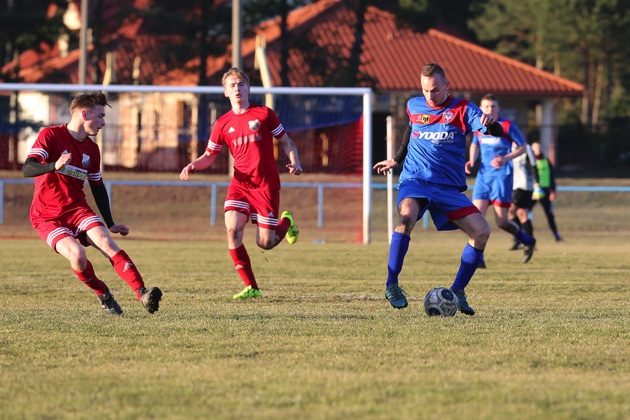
(83, 42)
(236, 33)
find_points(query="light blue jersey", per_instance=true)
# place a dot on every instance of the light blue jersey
(495, 184)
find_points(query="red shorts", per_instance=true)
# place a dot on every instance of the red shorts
(74, 225)
(260, 204)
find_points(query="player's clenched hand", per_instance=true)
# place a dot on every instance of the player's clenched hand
(122, 229)
(63, 160)
(384, 166)
(487, 119)
(185, 173)
(294, 169)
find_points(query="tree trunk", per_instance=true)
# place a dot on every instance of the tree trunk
(284, 47)
(202, 108)
(357, 46)
(597, 93)
(585, 94)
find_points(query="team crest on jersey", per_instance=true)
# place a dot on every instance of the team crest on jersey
(448, 116)
(85, 161)
(254, 125)
(424, 118)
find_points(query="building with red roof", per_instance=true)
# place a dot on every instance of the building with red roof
(320, 39)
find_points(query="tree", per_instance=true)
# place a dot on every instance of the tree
(582, 40)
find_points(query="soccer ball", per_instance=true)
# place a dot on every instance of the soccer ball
(440, 301)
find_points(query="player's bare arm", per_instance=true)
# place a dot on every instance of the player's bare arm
(474, 153)
(202, 162)
(294, 167)
(499, 161)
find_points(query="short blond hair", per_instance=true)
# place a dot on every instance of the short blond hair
(235, 71)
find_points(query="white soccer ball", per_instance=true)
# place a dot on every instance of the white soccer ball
(440, 301)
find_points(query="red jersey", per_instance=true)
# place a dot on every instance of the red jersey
(61, 191)
(249, 137)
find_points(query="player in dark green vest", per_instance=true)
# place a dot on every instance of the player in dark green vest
(546, 191)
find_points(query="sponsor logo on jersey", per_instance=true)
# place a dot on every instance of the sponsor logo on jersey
(435, 137)
(85, 160)
(231, 130)
(250, 138)
(448, 116)
(254, 125)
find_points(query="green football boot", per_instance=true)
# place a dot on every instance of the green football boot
(247, 293)
(293, 231)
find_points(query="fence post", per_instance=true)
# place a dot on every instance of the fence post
(320, 205)
(1, 201)
(213, 204)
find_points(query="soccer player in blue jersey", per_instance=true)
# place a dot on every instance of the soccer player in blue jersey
(433, 155)
(494, 179)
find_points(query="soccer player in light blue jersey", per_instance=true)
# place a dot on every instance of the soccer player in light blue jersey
(433, 155)
(494, 179)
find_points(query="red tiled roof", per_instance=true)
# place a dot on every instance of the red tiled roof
(392, 54)
(391, 58)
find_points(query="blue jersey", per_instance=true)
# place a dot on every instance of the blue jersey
(437, 147)
(491, 147)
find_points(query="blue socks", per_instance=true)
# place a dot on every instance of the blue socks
(397, 251)
(524, 237)
(471, 257)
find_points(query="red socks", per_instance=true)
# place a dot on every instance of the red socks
(243, 266)
(127, 271)
(88, 277)
(283, 226)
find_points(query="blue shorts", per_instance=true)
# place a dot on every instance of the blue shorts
(496, 190)
(445, 203)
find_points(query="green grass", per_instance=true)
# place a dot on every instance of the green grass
(550, 338)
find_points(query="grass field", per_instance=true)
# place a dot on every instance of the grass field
(550, 338)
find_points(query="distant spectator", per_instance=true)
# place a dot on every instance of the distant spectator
(546, 195)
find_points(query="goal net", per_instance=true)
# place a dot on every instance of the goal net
(162, 128)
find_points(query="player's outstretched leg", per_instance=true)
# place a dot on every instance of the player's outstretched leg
(109, 304)
(292, 232)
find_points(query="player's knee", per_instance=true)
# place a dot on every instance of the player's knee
(405, 224)
(233, 234)
(265, 243)
(77, 256)
(481, 234)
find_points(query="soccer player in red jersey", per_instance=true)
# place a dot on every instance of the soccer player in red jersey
(254, 193)
(61, 160)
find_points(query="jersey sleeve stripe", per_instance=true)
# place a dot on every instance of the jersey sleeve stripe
(213, 147)
(36, 151)
(95, 176)
(277, 131)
